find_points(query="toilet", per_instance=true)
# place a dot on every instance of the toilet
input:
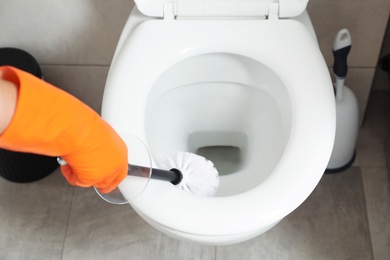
(242, 83)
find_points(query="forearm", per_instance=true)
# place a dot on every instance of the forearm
(37, 117)
(8, 98)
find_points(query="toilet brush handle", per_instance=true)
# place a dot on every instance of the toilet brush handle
(341, 48)
(340, 67)
(174, 175)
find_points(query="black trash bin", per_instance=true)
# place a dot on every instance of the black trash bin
(15, 166)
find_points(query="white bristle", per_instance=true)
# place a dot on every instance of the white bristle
(200, 177)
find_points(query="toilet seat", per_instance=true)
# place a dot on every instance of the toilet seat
(156, 45)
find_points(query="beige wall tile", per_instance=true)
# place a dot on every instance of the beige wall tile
(382, 78)
(366, 20)
(86, 31)
(375, 130)
(64, 32)
(359, 81)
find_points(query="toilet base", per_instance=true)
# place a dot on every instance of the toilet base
(210, 240)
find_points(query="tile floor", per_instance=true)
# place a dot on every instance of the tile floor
(346, 217)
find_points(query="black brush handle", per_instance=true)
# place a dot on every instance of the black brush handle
(174, 175)
(340, 66)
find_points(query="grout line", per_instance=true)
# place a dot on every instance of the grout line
(366, 211)
(352, 67)
(372, 221)
(74, 65)
(67, 223)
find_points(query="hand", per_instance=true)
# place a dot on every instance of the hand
(51, 122)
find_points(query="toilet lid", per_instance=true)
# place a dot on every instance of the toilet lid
(218, 8)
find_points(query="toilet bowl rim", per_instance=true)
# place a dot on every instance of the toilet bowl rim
(274, 212)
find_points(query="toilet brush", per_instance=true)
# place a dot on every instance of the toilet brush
(195, 174)
(189, 172)
(341, 48)
(347, 110)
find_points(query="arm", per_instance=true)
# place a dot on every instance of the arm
(8, 97)
(37, 117)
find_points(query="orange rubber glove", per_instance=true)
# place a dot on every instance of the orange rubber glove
(51, 122)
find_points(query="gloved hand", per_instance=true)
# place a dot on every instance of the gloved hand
(51, 122)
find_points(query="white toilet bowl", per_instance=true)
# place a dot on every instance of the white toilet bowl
(253, 95)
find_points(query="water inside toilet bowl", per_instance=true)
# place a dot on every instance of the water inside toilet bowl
(228, 108)
(227, 150)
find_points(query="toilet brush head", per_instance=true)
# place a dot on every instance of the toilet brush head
(200, 177)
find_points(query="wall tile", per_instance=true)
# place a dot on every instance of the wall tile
(359, 81)
(86, 32)
(375, 130)
(377, 115)
(64, 32)
(366, 21)
(382, 78)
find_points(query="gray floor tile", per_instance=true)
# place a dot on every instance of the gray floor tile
(330, 224)
(34, 218)
(387, 150)
(84, 82)
(377, 193)
(58, 32)
(99, 230)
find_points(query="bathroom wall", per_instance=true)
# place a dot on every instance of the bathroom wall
(382, 78)
(74, 40)
(366, 21)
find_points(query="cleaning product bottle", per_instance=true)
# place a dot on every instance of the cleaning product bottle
(347, 110)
